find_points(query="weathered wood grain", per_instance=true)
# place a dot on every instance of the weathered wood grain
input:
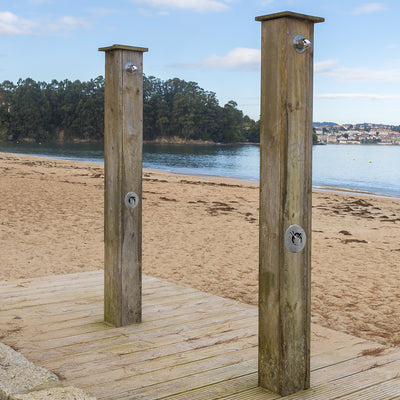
(123, 138)
(285, 200)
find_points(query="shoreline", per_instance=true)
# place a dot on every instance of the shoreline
(322, 188)
(332, 189)
(179, 141)
(203, 232)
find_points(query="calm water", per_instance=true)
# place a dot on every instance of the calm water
(369, 168)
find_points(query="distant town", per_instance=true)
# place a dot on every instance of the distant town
(365, 133)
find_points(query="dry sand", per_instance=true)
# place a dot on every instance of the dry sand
(203, 232)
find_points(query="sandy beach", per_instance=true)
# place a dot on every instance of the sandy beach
(203, 232)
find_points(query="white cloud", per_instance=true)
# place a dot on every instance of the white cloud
(248, 59)
(11, 24)
(241, 58)
(358, 96)
(364, 74)
(369, 8)
(326, 66)
(63, 25)
(72, 23)
(145, 12)
(196, 5)
(331, 69)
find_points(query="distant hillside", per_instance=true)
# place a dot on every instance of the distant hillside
(320, 124)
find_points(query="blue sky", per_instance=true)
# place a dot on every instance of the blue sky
(215, 43)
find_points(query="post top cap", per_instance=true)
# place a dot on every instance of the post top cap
(289, 14)
(123, 47)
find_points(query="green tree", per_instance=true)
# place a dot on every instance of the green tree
(314, 137)
(29, 111)
(65, 110)
(7, 90)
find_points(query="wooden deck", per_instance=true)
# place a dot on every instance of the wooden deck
(191, 345)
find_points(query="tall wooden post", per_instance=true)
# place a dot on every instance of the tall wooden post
(285, 201)
(123, 137)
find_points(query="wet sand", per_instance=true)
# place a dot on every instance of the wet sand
(203, 232)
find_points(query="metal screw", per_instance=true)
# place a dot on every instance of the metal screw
(131, 68)
(301, 44)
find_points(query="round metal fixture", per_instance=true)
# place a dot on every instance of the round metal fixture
(131, 68)
(131, 200)
(295, 238)
(301, 44)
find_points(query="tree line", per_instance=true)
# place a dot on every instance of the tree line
(72, 111)
(59, 110)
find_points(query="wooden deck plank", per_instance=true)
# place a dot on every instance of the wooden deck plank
(371, 379)
(51, 281)
(143, 341)
(256, 393)
(72, 319)
(185, 312)
(352, 383)
(139, 351)
(58, 327)
(342, 353)
(50, 278)
(145, 335)
(87, 290)
(353, 366)
(183, 384)
(191, 345)
(143, 363)
(388, 390)
(49, 297)
(221, 389)
(154, 372)
(73, 282)
(162, 307)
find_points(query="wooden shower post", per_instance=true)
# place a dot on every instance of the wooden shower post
(123, 137)
(285, 201)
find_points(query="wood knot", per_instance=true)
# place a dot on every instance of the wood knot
(293, 107)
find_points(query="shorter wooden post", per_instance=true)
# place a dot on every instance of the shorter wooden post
(285, 201)
(123, 138)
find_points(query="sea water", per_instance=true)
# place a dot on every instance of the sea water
(371, 168)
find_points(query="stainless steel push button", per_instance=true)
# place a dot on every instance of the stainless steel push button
(131, 200)
(295, 238)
